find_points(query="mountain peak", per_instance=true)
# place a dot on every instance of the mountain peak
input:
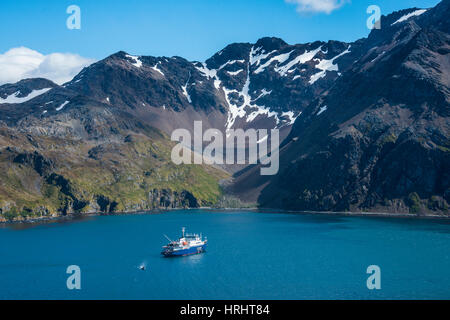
(270, 43)
(19, 91)
(401, 16)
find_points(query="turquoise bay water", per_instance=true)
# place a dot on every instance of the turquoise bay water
(250, 256)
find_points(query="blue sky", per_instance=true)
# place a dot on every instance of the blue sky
(194, 29)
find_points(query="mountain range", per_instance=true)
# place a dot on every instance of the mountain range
(364, 127)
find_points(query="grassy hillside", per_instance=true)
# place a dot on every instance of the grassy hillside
(50, 176)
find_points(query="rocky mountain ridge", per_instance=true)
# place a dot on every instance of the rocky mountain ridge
(378, 140)
(377, 109)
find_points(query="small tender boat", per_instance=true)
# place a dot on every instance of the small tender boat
(186, 245)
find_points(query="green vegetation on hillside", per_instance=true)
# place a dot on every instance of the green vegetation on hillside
(65, 176)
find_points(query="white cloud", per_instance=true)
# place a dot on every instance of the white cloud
(318, 6)
(20, 63)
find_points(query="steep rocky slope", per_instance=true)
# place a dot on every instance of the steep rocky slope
(47, 175)
(379, 139)
(261, 85)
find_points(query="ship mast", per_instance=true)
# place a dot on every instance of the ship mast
(182, 230)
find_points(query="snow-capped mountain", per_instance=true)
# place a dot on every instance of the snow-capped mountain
(262, 86)
(269, 83)
(366, 124)
(24, 90)
(379, 138)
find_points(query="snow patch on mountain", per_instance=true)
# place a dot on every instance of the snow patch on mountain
(305, 57)
(410, 15)
(230, 63)
(264, 92)
(208, 73)
(155, 67)
(236, 111)
(291, 116)
(327, 65)
(379, 56)
(256, 55)
(185, 93)
(184, 88)
(137, 63)
(234, 73)
(246, 108)
(280, 59)
(62, 106)
(217, 84)
(15, 99)
(322, 110)
(262, 110)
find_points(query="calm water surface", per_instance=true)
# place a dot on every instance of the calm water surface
(250, 256)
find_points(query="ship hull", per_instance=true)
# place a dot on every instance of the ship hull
(185, 252)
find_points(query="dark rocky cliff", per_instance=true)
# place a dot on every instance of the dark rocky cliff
(379, 139)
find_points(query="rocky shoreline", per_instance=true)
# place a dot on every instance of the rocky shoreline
(74, 217)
